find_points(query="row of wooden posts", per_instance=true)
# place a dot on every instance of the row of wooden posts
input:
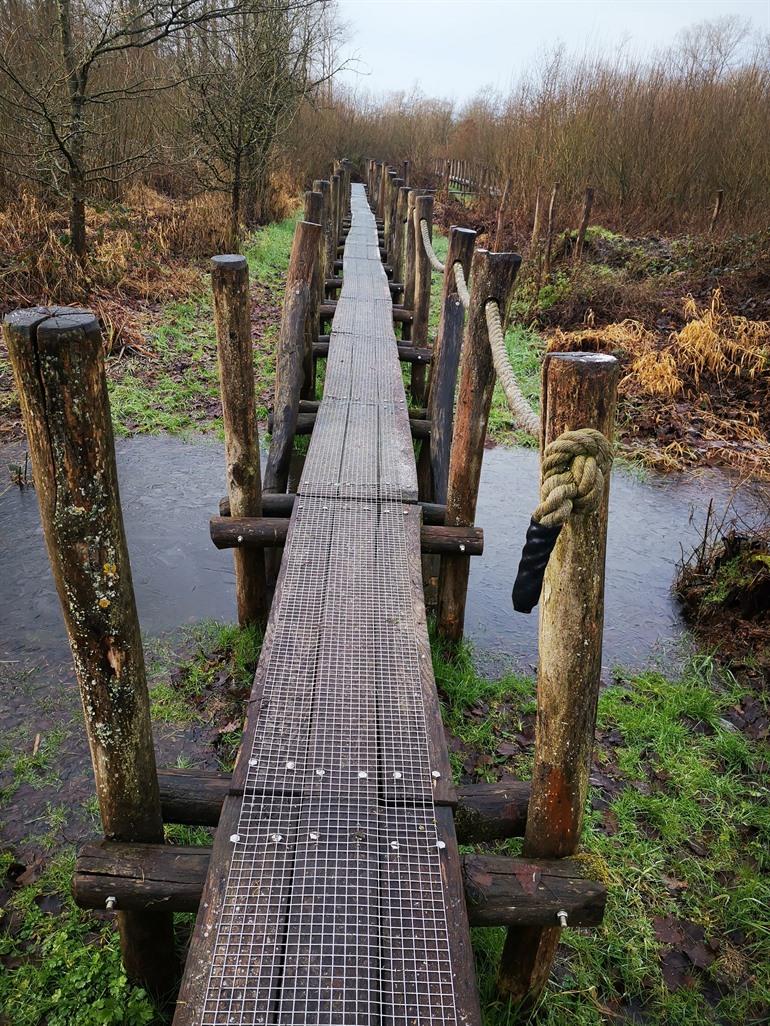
(58, 362)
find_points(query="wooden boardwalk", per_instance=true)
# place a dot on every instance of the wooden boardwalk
(334, 893)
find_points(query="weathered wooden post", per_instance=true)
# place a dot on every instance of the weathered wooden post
(410, 250)
(534, 240)
(382, 192)
(501, 212)
(588, 203)
(392, 240)
(289, 370)
(405, 170)
(232, 320)
(323, 186)
(336, 215)
(493, 277)
(550, 229)
(314, 204)
(397, 260)
(445, 187)
(58, 362)
(433, 467)
(423, 211)
(719, 199)
(579, 391)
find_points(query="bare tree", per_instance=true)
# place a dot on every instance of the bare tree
(62, 67)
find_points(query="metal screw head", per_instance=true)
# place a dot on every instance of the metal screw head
(561, 915)
(397, 775)
(394, 845)
(289, 765)
(253, 762)
(435, 774)
(111, 903)
(313, 836)
(362, 774)
(235, 838)
(320, 773)
(276, 837)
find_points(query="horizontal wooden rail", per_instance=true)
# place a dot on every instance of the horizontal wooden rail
(336, 283)
(281, 505)
(267, 532)
(400, 314)
(484, 812)
(406, 354)
(498, 891)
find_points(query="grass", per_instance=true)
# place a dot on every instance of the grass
(176, 389)
(679, 831)
(677, 827)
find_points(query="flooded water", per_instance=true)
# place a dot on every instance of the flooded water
(170, 488)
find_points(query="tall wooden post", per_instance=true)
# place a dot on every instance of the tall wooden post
(579, 391)
(409, 259)
(382, 192)
(588, 203)
(423, 211)
(314, 214)
(405, 171)
(336, 215)
(323, 186)
(232, 319)
(550, 228)
(392, 239)
(58, 362)
(445, 189)
(433, 467)
(397, 259)
(297, 303)
(493, 276)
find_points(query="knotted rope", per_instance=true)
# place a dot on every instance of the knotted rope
(574, 469)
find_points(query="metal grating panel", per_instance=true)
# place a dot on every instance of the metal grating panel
(334, 911)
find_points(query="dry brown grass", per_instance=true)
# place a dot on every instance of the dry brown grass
(691, 395)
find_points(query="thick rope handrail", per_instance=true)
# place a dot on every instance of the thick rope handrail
(523, 413)
(435, 263)
(462, 285)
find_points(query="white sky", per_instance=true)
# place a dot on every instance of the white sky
(403, 43)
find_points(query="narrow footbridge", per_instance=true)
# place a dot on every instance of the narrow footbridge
(334, 893)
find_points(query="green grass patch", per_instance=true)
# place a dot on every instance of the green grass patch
(176, 391)
(681, 837)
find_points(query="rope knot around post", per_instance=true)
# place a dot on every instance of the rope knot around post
(574, 474)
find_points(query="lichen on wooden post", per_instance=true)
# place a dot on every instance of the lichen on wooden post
(58, 363)
(492, 276)
(232, 320)
(579, 391)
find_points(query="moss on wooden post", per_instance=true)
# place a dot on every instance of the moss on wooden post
(58, 362)
(232, 319)
(579, 391)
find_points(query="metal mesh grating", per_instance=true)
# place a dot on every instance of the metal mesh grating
(334, 910)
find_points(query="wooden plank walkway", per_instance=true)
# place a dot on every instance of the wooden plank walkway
(334, 893)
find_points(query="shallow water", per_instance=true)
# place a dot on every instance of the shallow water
(170, 488)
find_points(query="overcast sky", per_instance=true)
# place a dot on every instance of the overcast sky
(453, 48)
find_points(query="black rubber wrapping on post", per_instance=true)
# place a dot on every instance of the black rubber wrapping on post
(534, 559)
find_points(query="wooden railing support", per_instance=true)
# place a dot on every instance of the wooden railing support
(399, 233)
(423, 210)
(579, 391)
(493, 275)
(409, 258)
(289, 370)
(314, 213)
(58, 362)
(433, 465)
(232, 320)
(336, 216)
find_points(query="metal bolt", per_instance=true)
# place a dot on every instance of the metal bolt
(235, 838)
(394, 844)
(562, 917)
(440, 845)
(252, 762)
(397, 775)
(313, 837)
(320, 773)
(362, 774)
(435, 774)
(111, 903)
(276, 837)
(462, 547)
(240, 538)
(290, 765)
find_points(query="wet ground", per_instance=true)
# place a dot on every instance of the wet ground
(169, 490)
